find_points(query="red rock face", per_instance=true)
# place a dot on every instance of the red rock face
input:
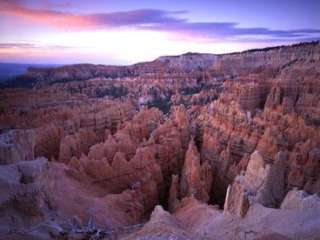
(120, 140)
(174, 195)
(196, 179)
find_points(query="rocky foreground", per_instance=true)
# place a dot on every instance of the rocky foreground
(196, 146)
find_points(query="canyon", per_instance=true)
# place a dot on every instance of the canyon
(196, 146)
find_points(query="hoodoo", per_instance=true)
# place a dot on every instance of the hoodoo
(196, 146)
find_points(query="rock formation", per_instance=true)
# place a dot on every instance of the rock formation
(91, 150)
(17, 145)
(262, 183)
(196, 179)
(174, 197)
(300, 200)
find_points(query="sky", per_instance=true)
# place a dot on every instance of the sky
(129, 31)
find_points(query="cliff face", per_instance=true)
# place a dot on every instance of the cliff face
(241, 131)
(267, 59)
(232, 64)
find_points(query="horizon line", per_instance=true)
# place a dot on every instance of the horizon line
(313, 42)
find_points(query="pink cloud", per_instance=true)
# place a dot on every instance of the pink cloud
(149, 19)
(47, 17)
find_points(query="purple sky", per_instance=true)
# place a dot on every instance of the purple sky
(128, 31)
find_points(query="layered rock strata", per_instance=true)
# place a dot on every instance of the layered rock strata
(240, 131)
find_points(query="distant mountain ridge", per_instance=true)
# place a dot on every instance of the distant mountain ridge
(232, 63)
(11, 70)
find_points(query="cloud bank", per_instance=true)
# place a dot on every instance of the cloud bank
(154, 20)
